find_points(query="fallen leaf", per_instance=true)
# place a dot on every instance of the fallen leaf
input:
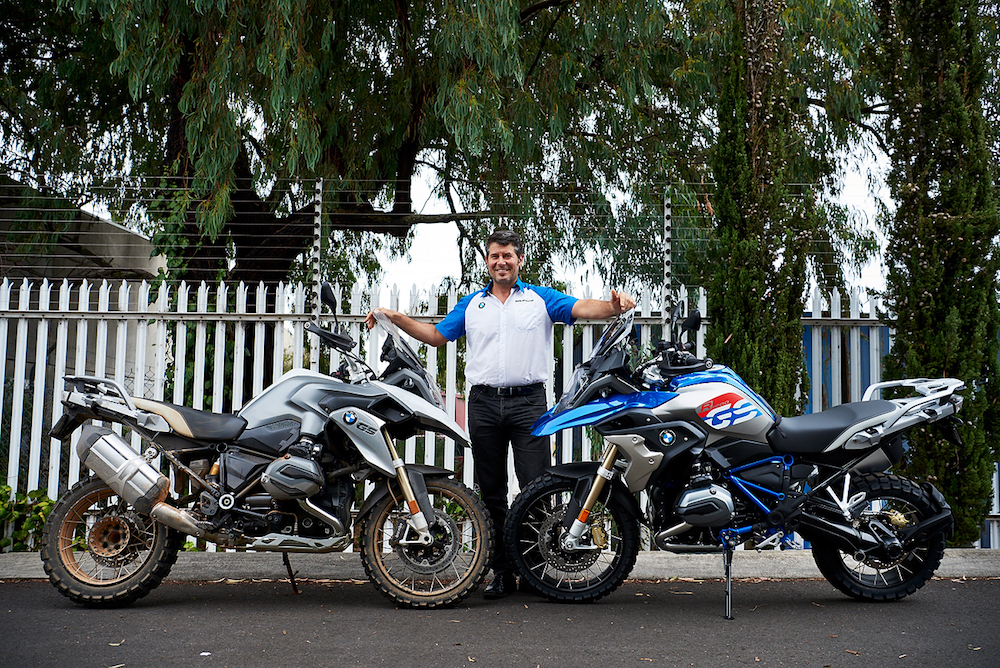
(471, 660)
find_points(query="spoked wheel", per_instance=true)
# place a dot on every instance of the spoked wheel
(98, 551)
(441, 573)
(532, 536)
(895, 504)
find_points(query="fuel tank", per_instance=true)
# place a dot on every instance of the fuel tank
(722, 402)
(290, 407)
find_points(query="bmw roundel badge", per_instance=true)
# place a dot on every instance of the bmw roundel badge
(667, 437)
(350, 417)
(482, 304)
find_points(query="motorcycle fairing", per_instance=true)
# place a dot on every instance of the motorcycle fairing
(597, 411)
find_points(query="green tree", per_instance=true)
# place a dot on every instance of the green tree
(942, 256)
(494, 102)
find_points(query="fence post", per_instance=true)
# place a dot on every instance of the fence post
(317, 306)
(666, 298)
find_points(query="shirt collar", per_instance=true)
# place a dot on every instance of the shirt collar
(517, 286)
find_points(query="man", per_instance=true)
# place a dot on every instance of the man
(508, 325)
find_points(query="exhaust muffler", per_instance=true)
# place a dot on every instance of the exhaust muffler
(132, 478)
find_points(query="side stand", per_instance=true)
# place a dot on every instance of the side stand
(727, 560)
(291, 575)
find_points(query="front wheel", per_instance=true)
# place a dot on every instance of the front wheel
(98, 551)
(429, 576)
(532, 536)
(895, 504)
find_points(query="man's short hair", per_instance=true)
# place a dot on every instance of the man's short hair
(506, 238)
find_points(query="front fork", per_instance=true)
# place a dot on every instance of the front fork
(576, 526)
(414, 490)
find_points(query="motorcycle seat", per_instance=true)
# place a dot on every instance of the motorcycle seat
(193, 423)
(813, 433)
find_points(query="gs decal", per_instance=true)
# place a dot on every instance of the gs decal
(727, 410)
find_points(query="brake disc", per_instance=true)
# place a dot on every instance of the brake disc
(549, 546)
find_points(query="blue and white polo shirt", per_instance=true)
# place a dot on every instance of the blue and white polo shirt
(509, 343)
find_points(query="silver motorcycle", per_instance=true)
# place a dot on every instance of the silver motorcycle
(282, 475)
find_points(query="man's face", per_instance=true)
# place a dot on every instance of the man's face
(503, 264)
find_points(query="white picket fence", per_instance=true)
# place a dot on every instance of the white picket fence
(144, 336)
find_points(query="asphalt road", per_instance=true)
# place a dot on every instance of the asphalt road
(666, 623)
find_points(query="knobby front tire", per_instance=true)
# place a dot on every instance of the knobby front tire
(442, 573)
(896, 503)
(532, 532)
(99, 552)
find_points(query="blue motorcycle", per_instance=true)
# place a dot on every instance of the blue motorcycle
(719, 468)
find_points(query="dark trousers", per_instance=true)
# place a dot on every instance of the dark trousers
(494, 424)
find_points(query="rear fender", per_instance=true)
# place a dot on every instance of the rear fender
(70, 421)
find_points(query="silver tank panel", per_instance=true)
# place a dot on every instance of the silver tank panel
(296, 396)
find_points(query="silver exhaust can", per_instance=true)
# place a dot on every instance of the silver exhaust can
(122, 468)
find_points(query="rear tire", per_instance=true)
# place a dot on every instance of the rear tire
(439, 574)
(99, 552)
(897, 503)
(533, 528)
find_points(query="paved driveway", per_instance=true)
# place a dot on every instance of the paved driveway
(644, 623)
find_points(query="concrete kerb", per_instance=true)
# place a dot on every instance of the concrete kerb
(773, 565)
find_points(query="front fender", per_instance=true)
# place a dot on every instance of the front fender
(391, 484)
(582, 475)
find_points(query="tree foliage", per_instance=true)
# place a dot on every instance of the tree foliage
(942, 255)
(495, 103)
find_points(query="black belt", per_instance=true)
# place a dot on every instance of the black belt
(517, 391)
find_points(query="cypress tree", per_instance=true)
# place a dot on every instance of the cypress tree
(942, 255)
(758, 265)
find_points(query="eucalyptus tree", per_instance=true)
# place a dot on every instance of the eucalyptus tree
(498, 103)
(943, 254)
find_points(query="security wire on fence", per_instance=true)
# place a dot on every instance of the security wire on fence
(129, 230)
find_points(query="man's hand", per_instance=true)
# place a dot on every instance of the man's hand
(370, 318)
(421, 331)
(621, 301)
